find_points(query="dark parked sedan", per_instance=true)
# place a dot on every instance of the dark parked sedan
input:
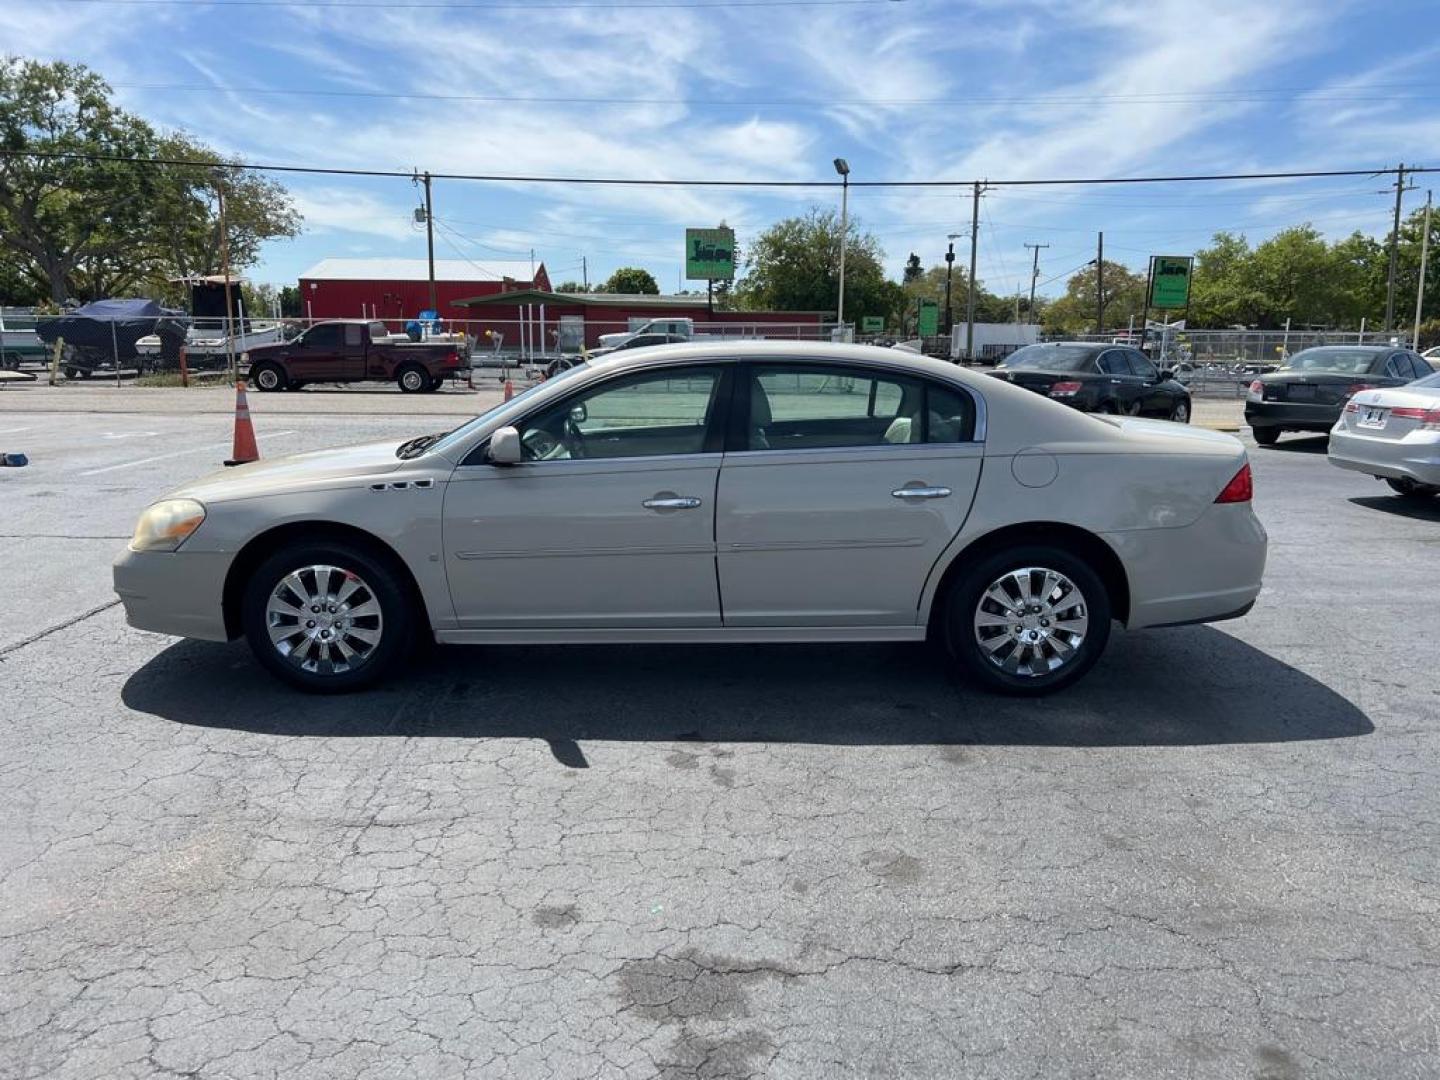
(1309, 391)
(1097, 378)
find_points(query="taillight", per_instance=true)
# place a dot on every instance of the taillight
(452, 360)
(1065, 389)
(1429, 418)
(1256, 391)
(1241, 487)
(1350, 406)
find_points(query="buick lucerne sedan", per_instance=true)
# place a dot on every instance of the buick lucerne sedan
(755, 492)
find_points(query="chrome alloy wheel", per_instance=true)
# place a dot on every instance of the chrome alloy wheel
(324, 619)
(414, 379)
(1031, 622)
(267, 379)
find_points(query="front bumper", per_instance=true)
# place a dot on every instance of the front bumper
(1205, 572)
(180, 592)
(1292, 416)
(1415, 457)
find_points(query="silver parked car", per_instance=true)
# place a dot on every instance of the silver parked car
(740, 492)
(1394, 435)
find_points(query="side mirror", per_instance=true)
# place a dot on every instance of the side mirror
(579, 414)
(505, 447)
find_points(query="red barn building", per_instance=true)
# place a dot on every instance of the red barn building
(398, 289)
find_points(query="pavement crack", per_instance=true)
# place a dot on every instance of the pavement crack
(16, 646)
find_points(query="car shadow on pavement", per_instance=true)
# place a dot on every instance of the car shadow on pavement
(1401, 506)
(1183, 687)
(1306, 444)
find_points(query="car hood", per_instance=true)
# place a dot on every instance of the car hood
(336, 467)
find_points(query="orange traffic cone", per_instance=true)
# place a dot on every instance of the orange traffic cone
(244, 448)
(509, 389)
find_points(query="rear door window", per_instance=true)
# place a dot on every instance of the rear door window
(1114, 363)
(352, 335)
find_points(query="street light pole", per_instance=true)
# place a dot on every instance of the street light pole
(843, 168)
(949, 269)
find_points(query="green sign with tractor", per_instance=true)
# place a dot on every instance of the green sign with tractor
(710, 254)
(1170, 281)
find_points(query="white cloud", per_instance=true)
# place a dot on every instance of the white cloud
(349, 210)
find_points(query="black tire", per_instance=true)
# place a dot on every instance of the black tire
(1265, 436)
(412, 379)
(1108, 408)
(1409, 489)
(295, 384)
(963, 605)
(1180, 414)
(83, 372)
(72, 373)
(269, 378)
(382, 579)
(437, 382)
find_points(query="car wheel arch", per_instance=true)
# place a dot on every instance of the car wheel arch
(1072, 538)
(261, 546)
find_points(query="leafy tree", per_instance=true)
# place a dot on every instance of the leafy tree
(631, 279)
(795, 266)
(290, 305)
(571, 287)
(86, 228)
(1075, 312)
(62, 216)
(914, 269)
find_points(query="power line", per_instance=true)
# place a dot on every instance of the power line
(617, 181)
(491, 5)
(1199, 97)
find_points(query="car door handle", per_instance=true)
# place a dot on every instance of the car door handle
(921, 492)
(675, 502)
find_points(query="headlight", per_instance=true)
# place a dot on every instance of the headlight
(167, 525)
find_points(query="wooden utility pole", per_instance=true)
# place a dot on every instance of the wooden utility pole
(430, 244)
(225, 269)
(970, 285)
(1034, 275)
(1420, 290)
(1394, 249)
(1100, 285)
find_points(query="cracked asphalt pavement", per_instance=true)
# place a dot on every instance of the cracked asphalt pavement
(1216, 857)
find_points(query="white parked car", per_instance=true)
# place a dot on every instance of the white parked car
(681, 329)
(1394, 435)
(741, 492)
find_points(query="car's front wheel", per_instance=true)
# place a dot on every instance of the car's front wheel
(328, 616)
(1180, 414)
(268, 377)
(1028, 620)
(1266, 436)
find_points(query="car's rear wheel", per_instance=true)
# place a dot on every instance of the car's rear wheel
(1266, 436)
(1028, 620)
(1411, 490)
(1108, 408)
(1180, 414)
(268, 377)
(328, 616)
(412, 378)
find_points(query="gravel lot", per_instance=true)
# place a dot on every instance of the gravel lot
(1216, 857)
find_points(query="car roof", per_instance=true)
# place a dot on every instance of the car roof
(753, 349)
(1096, 345)
(1370, 349)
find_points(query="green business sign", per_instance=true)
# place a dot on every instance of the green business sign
(873, 324)
(929, 318)
(710, 254)
(1170, 281)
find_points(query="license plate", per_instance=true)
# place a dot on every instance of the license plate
(1372, 416)
(1302, 392)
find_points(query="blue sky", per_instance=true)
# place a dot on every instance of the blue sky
(1005, 89)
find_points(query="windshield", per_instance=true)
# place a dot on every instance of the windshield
(1051, 358)
(1340, 361)
(470, 425)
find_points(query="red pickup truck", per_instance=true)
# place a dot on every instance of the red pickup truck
(352, 350)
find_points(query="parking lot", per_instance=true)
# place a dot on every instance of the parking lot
(1217, 856)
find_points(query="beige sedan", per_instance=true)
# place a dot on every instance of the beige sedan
(733, 492)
